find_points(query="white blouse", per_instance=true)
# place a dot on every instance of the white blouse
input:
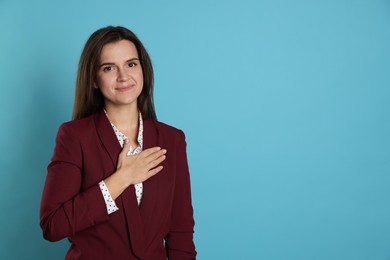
(110, 203)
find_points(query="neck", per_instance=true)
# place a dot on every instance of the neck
(125, 118)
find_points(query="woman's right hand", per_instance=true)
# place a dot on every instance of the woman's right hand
(138, 168)
(134, 169)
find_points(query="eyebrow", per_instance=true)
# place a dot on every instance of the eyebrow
(112, 63)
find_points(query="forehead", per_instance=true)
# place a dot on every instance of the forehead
(122, 50)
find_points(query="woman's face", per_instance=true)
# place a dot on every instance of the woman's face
(119, 76)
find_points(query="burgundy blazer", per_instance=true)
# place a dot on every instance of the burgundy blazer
(72, 204)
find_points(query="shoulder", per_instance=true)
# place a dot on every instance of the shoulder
(78, 126)
(69, 140)
(79, 123)
(166, 130)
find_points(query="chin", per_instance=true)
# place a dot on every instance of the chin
(128, 102)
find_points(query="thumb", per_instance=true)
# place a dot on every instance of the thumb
(126, 146)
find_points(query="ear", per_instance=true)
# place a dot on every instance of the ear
(95, 86)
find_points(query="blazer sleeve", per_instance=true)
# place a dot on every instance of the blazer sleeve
(65, 209)
(179, 241)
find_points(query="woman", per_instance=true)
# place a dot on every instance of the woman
(113, 202)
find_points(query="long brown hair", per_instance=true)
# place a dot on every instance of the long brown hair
(88, 99)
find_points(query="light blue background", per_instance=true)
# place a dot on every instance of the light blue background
(285, 104)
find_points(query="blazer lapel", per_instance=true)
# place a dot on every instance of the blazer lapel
(128, 197)
(150, 140)
(107, 136)
(152, 186)
(134, 222)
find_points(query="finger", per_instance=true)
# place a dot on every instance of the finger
(156, 162)
(154, 171)
(154, 156)
(147, 152)
(126, 147)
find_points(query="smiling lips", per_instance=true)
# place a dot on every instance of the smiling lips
(124, 88)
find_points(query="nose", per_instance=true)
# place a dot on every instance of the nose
(122, 76)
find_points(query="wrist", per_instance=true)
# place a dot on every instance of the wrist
(116, 184)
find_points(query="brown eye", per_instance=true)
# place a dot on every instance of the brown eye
(108, 68)
(132, 64)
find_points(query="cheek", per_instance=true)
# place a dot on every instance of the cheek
(103, 81)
